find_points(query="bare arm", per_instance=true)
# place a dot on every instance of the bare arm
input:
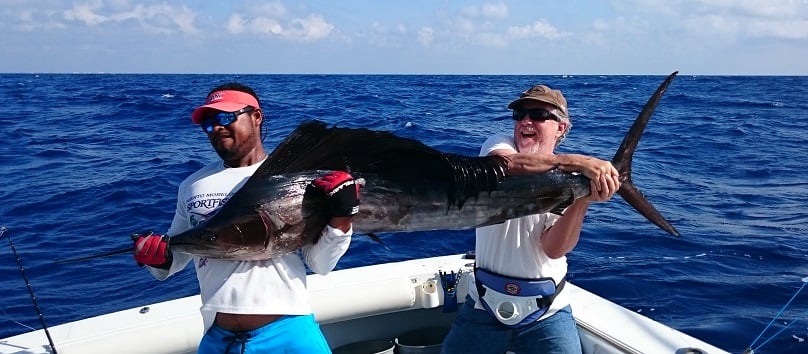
(524, 164)
(563, 236)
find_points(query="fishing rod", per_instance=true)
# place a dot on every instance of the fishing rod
(3, 231)
(101, 255)
(105, 254)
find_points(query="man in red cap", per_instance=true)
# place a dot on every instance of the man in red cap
(517, 303)
(249, 306)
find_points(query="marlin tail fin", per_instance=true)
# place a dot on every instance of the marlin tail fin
(622, 161)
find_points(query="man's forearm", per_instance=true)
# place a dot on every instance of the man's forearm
(525, 164)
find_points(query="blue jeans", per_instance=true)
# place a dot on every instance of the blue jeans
(288, 334)
(476, 331)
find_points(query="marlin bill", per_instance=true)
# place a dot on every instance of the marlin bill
(408, 187)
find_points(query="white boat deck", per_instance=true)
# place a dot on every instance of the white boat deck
(378, 302)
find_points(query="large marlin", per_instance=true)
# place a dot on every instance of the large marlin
(408, 187)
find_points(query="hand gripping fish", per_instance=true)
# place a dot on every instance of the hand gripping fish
(408, 187)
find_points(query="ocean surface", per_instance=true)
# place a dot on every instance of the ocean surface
(88, 159)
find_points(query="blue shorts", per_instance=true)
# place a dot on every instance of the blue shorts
(287, 334)
(476, 331)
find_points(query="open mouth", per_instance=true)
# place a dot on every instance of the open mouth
(528, 132)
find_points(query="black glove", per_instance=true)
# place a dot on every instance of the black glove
(342, 191)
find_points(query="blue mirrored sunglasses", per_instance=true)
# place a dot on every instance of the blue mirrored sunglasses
(535, 114)
(222, 118)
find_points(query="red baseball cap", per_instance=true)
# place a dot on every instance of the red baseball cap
(225, 101)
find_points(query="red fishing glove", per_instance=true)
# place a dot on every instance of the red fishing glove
(342, 191)
(152, 250)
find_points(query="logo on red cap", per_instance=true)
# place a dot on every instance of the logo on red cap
(218, 95)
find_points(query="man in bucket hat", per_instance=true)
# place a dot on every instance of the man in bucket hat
(249, 306)
(516, 302)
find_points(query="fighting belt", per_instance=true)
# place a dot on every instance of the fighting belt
(515, 302)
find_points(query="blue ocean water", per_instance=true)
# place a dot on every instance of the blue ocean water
(90, 158)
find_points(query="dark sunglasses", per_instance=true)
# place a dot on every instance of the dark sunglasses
(223, 118)
(536, 114)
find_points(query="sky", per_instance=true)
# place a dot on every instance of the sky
(533, 37)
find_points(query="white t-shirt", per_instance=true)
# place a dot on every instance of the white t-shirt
(272, 286)
(512, 248)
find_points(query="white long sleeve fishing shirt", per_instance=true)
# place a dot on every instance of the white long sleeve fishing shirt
(272, 286)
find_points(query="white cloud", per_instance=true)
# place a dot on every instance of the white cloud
(462, 26)
(739, 28)
(306, 29)
(487, 26)
(727, 19)
(540, 28)
(31, 20)
(85, 13)
(493, 11)
(382, 35)
(700, 32)
(311, 28)
(425, 36)
(275, 20)
(752, 8)
(795, 29)
(496, 11)
(161, 18)
(265, 25)
(184, 20)
(272, 9)
(488, 39)
(235, 24)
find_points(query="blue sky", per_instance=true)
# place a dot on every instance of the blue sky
(698, 37)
